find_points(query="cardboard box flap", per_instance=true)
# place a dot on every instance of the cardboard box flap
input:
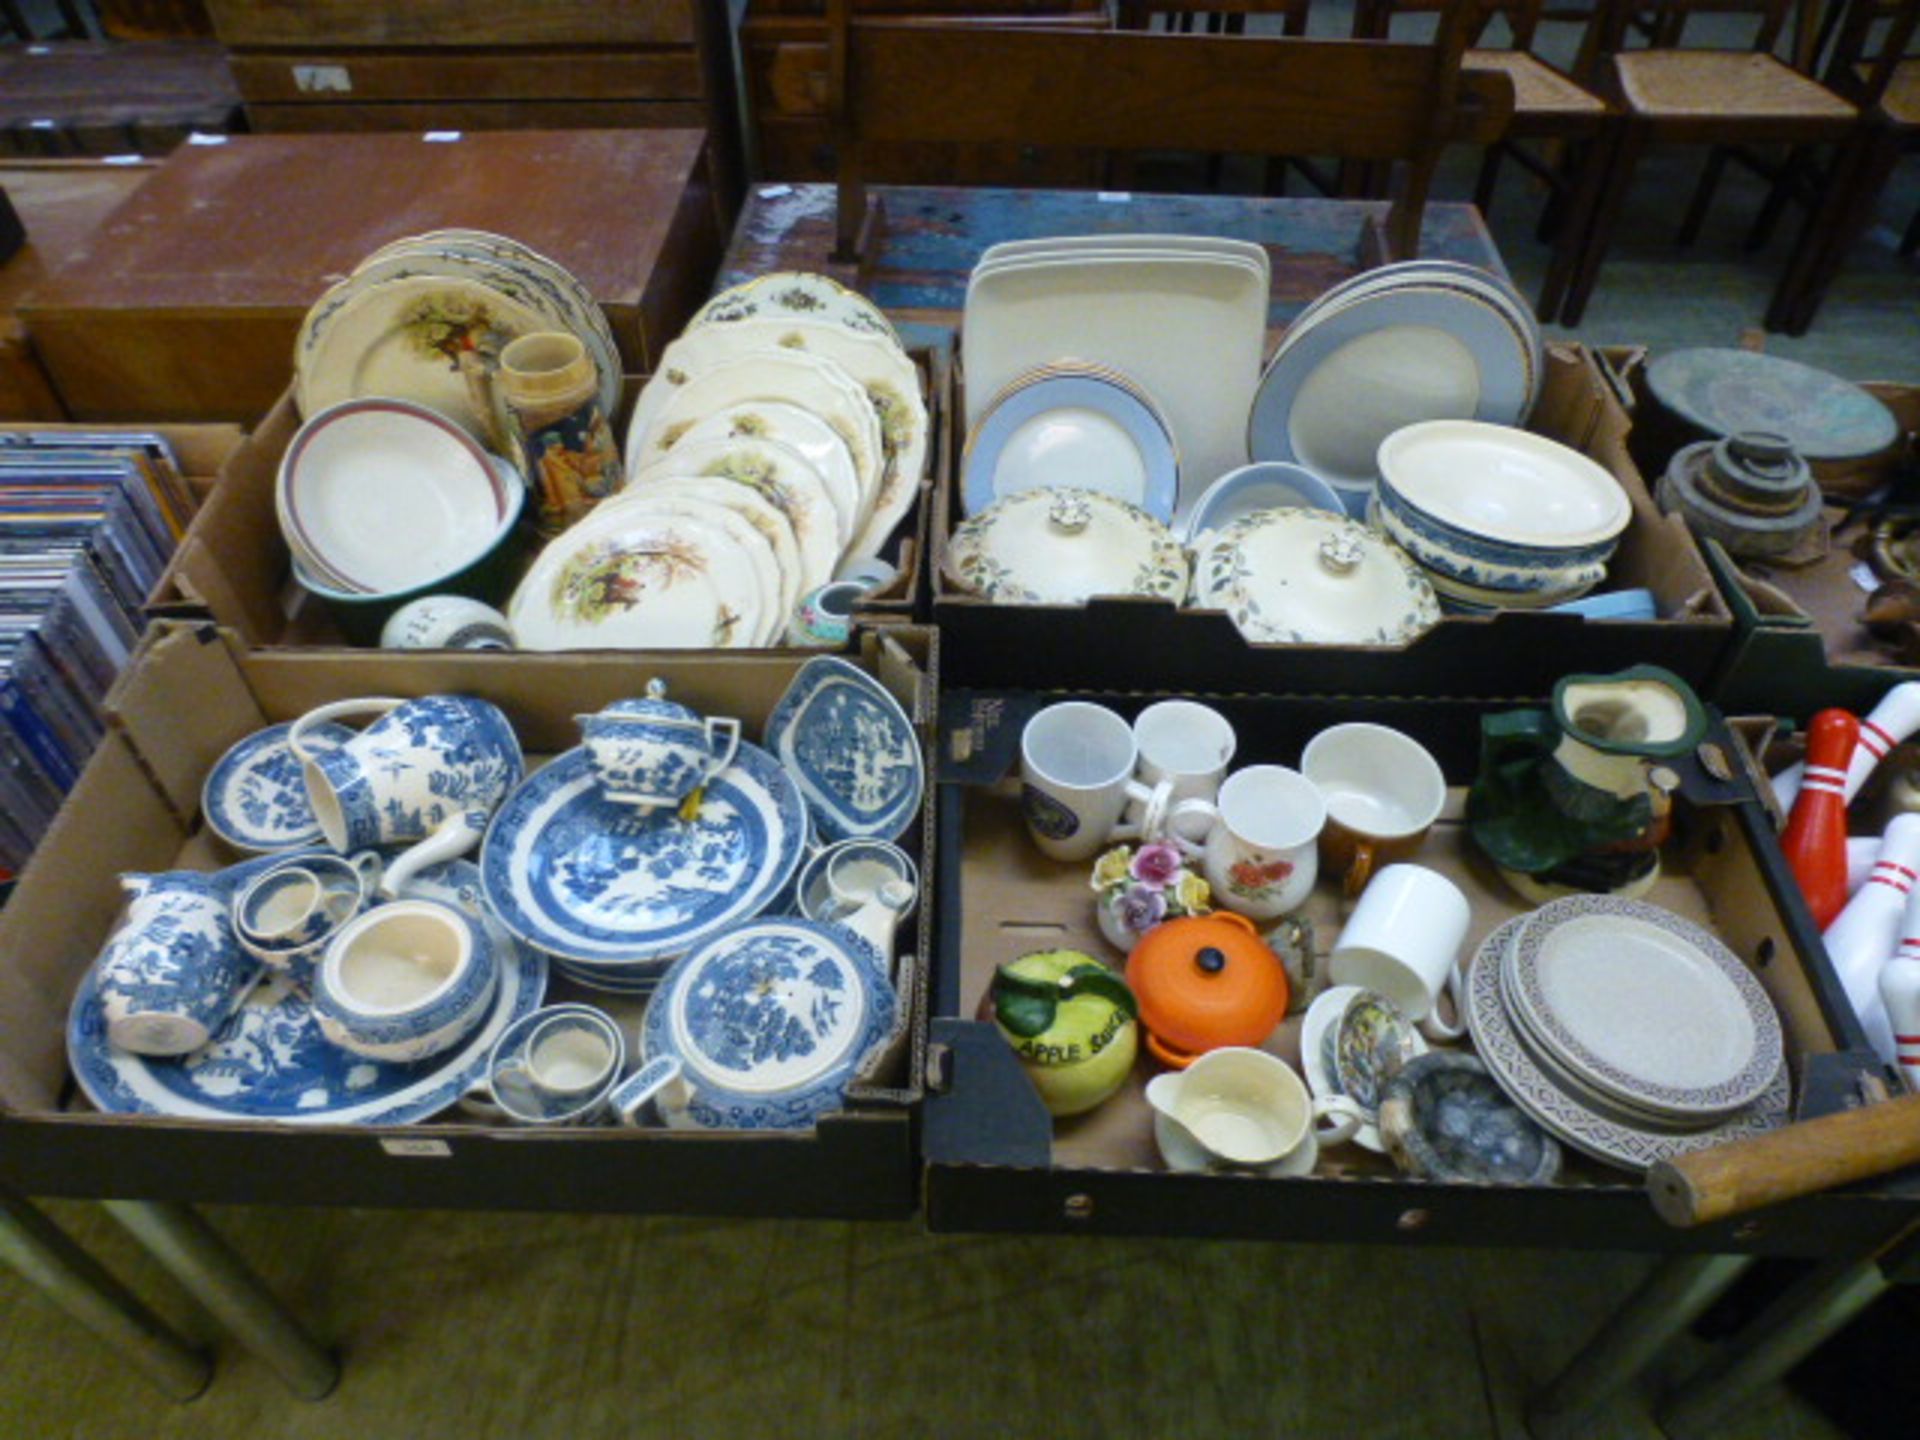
(182, 671)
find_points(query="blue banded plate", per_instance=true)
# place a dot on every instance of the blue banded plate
(270, 1062)
(1419, 353)
(254, 797)
(769, 1022)
(603, 884)
(1073, 430)
(849, 745)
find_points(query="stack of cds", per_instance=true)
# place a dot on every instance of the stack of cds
(87, 524)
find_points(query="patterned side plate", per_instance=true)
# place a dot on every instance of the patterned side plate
(1607, 1137)
(601, 884)
(254, 798)
(852, 749)
(1644, 1007)
(272, 1063)
(770, 1021)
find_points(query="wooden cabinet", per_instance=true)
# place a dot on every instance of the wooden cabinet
(184, 303)
(783, 56)
(360, 65)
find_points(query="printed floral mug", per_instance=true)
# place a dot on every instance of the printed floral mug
(1258, 848)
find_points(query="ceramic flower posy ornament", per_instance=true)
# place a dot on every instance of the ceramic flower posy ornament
(1138, 888)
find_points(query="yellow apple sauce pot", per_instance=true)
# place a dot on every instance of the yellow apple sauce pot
(1073, 1023)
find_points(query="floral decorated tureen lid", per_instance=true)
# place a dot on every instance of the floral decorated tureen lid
(1306, 577)
(1061, 546)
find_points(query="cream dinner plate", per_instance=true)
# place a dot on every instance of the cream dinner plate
(801, 431)
(750, 505)
(779, 474)
(804, 380)
(786, 293)
(628, 578)
(412, 339)
(771, 584)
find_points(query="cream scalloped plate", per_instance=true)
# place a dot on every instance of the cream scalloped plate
(803, 432)
(775, 473)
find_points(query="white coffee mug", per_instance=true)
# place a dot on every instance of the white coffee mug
(1185, 743)
(1259, 848)
(1403, 940)
(1076, 774)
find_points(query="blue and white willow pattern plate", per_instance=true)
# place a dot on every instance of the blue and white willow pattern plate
(598, 883)
(851, 748)
(270, 1062)
(769, 1022)
(254, 798)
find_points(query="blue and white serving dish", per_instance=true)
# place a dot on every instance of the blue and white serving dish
(254, 797)
(613, 889)
(769, 1021)
(1264, 485)
(1077, 426)
(270, 1062)
(852, 749)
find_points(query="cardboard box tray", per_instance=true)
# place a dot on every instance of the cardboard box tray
(1125, 643)
(996, 1161)
(233, 566)
(191, 693)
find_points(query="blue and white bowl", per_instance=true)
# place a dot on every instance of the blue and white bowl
(1499, 508)
(405, 980)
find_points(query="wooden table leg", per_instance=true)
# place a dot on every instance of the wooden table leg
(194, 1254)
(1676, 1294)
(43, 1255)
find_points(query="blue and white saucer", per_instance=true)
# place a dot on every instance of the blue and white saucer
(270, 1062)
(852, 749)
(770, 1022)
(254, 797)
(607, 886)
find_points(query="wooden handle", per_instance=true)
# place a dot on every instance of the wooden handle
(1795, 1160)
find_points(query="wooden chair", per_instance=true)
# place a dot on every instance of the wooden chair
(1550, 107)
(1370, 100)
(1883, 79)
(1669, 95)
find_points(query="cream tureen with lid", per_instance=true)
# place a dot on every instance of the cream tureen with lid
(1061, 546)
(1296, 576)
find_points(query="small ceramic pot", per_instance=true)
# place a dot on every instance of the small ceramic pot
(1072, 1023)
(551, 391)
(405, 981)
(173, 973)
(446, 622)
(656, 752)
(824, 617)
(286, 916)
(1204, 983)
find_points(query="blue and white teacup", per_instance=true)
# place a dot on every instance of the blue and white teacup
(428, 773)
(656, 752)
(405, 980)
(558, 1066)
(288, 913)
(173, 973)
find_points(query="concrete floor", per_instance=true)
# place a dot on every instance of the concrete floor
(522, 1327)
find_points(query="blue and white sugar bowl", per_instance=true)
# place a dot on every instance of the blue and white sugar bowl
(405, 980)
(656, 752)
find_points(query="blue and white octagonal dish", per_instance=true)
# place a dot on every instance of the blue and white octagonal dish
(852, 749)
(770, 1021)
(254, 797)
(600, 883)
(270, 1061)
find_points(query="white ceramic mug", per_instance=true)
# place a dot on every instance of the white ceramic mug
(1076, 781)
(1258, 851)
(1185, 743)
(1383, 793)
(1403, 940)
(1243, 1109)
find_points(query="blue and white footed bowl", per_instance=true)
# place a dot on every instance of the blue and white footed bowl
(1498, 508)
(405, 980)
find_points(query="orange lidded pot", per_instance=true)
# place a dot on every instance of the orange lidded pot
(1205, 981)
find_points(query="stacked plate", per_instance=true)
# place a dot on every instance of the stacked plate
(425, 318)
(1420, 340)
(1184, 316)
(1630, 1033)
(1072, 424)
(800, 362)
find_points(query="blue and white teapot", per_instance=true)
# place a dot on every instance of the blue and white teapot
(655, 752)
